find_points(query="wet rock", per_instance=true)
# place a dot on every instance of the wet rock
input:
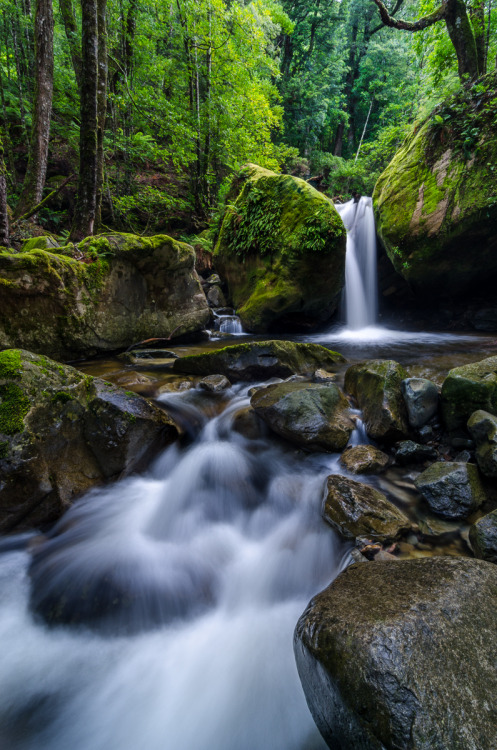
(62, 432)
(215, 296)
(137, 288)
(146, 354)
(322, 376)
(468, 389)
(247, 423)
(313, 416)
(133, 378)
(483, 428)
(214, 383)
(364, 459)
(421, 399)
(452, 490)
(272, 216)
(355, 509)
(425, 433)
(483, 537)
(259, 360)
(434, 528)
(376, 385)
(213, 279)
(392, 655)
(409, 452)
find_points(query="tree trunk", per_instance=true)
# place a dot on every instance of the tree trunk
(4, 218)
(463, 38)
(101, 106)
(84, 215)
(477, 16)
(71, 29)
(34, 181)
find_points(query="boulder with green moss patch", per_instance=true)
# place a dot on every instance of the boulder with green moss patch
(123, 289)
(281, 249)
(468, 389)
(62, 432)
(436, 202)
(377, 387)
(260, 360)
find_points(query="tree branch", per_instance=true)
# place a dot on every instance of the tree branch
(51, 195)
(422, 23)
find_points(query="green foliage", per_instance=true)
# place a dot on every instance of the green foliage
(149, 207)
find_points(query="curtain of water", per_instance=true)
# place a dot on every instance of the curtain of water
(360, 263)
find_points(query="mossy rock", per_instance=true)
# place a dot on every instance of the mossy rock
(260, 360)
(364, 459)
(452, 490)
(467, 389)
(281, 249)
(401, 654)
(483, 429)
(377, 386)
(436, 202)
(313, 416)
(62, 432)
(126, 289)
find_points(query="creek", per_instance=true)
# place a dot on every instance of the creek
(190, 577)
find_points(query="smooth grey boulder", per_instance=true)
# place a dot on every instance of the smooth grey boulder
(313, 416)
(409, 452)
(356, 510)
(376, 385)
(452, 490)
(483, 537)
(401, 656)
(421, 400)
(483, 429)
(214, 383)
(215, 296)
(364, 459)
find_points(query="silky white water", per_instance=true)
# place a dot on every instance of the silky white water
(360, 263)
(192, 578)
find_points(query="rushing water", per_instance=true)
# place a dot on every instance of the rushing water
(205, 564)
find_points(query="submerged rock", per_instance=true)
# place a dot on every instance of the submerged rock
(62, 432)
(452, 490)
(467, 389)
(483, 429)
(259, 360)
(358, 510)
(483, 537)
(364, 459)
(281, 249)
(376, 385)
(313, 416)
(433, 203)
(393, 655)
(132, 288)
(421, 399)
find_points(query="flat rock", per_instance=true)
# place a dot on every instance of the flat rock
(452, 490)
(260, 360)
(313, 416)
(402, 655)
(358, 510)
(364, 459)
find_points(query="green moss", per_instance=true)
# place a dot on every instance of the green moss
(14, 405)
(61, 397)
(10, 364)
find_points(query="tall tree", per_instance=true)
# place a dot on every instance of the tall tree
(34, 181)
(71, 29)
(4, 218)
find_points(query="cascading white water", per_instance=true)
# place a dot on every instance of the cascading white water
(192, 578)
(360, 263)
(228, 324)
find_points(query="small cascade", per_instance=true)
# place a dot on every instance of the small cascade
(227, 323)
(360, 264)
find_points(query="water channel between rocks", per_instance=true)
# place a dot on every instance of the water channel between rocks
(211, 555)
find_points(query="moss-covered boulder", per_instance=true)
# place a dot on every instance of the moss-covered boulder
(260, 360)
(62, 432)
(281, 249)
(402, 655)
(467, 389)
(436, 202)
(356, 510)
(102, 295)
(483, 429)
(376, 386)
(313, 416)
(364, 459)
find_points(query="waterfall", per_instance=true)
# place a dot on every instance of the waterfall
(228, 323)
(360, 263)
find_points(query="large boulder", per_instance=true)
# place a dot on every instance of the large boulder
(358, 510)
(281, 249)
(483, 429)
(311, 415)
(401, 656)
(62, 432)
(105, 294)
(376, 386)
(451, 489)
(421, 399)
(467, 389)
(483, 537)
(260, 360)
(435, 203)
